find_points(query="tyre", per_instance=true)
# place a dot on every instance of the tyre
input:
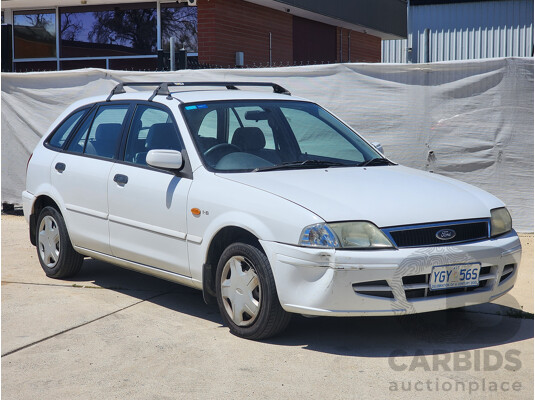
(246, 293)
(54, 249)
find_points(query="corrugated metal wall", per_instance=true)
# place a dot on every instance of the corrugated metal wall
(462, 31)
(394, 51)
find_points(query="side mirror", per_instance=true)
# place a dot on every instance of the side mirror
(378, 147)
(165, 159)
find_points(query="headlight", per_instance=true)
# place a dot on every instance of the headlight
(500, 222)
(319, 235)
(346, 235)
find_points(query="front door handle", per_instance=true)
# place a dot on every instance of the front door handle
(60, 167)
(120, 179)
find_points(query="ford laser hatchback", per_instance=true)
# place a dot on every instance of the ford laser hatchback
(266, 202)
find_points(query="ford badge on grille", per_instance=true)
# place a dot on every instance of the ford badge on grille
(445, 234)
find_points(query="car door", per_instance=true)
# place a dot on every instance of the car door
(147, 206)
(80, 175)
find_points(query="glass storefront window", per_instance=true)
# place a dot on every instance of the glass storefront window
(113, 36)
(34, 34)
(181, 23)
(119, 30)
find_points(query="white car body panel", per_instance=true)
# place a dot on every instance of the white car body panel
(84, 190)
(147, 218)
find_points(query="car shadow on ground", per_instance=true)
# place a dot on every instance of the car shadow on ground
(438, 332)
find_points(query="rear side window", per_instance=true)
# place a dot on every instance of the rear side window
(152, 128)
(63, 131)
(105, 133)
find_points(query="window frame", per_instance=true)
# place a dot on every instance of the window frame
(94, 109)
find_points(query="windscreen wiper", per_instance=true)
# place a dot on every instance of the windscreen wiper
(376, 161)
(303, 164)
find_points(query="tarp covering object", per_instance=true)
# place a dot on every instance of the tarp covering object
(469, 120)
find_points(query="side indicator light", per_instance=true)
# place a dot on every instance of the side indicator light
(195, 211)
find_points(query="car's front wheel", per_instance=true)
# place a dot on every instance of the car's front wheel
(246, 293)
(54, 249)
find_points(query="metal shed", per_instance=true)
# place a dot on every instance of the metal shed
(443, 30)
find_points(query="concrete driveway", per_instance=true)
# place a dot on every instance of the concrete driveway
(115, 334)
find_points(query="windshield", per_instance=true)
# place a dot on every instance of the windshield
(239, 136)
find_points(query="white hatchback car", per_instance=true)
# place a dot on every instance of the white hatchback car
(266, 202)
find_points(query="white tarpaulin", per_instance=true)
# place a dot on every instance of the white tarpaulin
(470, 120)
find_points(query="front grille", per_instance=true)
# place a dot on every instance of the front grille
(417, 286)
(426, 235)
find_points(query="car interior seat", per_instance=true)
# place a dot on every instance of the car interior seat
(160, 136)
(106, 140)
(252, 140)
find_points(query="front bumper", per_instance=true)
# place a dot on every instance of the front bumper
(330, 282)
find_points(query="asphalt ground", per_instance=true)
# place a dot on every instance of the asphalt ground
(112, 333)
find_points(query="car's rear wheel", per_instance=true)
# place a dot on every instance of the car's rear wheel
(54, 249)
(246, 293)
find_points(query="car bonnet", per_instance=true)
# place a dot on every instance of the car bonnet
(384, 195)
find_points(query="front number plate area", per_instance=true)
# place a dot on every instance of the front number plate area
(454, 276)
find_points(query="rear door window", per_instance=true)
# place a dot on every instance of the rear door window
(105, 133)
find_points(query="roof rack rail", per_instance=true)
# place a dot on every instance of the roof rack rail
(163, 87)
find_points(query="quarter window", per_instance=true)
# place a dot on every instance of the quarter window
(64, 130)
(77, 143)
(152, 128)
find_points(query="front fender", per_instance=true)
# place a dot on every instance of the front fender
(224, 203)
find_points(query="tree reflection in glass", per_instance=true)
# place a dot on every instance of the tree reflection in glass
(180, 23)
(105, 31)
(34, 34)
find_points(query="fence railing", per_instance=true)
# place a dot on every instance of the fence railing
(159, 64)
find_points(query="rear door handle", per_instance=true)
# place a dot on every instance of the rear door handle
(120, 179)
(60, 167)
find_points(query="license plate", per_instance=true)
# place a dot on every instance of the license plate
(454, 276)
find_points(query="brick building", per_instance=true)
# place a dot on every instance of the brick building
(118, 34)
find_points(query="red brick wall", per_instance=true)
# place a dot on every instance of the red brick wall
(228, 26)
(363, 47)
(313, 42)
